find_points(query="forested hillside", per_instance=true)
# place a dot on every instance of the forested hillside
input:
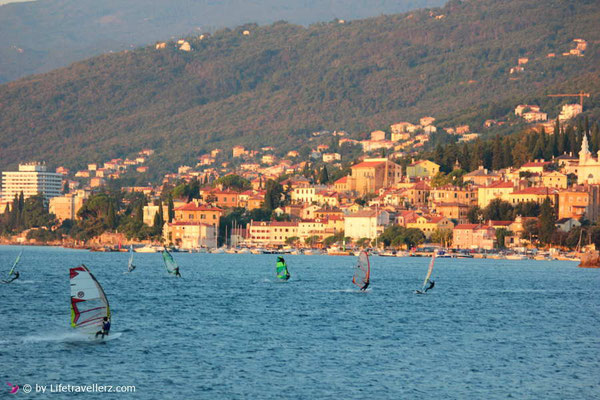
(280, 82)
(42, 35)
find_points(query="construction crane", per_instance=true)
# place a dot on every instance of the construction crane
(581, 95)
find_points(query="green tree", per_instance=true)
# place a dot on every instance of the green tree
(442, 236)
(414, 237)
(547, 221)
(111, 216)
(475, 215)
(171, 208)
(273, 195)
(501, 234)
(497, 154)
(35, 213)
(324, 175)
(234, 182)
(292, 240)
(331, 240)
(311, 240)
(159, 220)
(363, 242)
(498, 210)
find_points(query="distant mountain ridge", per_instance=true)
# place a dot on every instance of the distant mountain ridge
(47, 34)
(280, 82)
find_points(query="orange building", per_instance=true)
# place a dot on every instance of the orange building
(454, 194)
(537, 194)
(226, 198)
(578, 201)
(473, 236)
(372, 174)
(454, 210)
(194, 212)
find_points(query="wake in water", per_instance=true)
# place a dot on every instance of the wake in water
(68, 337)
(345, 291)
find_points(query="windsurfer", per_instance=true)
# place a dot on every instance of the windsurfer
(431, 285)
(176, 271)
(16, 273)
(131, 267)
(281, 268)
(105, 328)
(366, 286)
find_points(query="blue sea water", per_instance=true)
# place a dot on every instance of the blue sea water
(490, 329)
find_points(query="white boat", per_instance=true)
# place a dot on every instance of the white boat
(516, 257)
(244, 250)
(147, 249)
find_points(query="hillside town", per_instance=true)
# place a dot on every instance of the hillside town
(375, 203)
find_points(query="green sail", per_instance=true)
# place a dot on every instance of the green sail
(170, 263)
(12, 270)
(282, 271)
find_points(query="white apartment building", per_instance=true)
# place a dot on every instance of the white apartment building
(31, 179)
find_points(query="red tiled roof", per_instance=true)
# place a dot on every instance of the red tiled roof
(194, 207)
(467, 226)
(500, 223)
(343, 179)
(536, 190)
(421, 185)
(499, 184)
(362, 214)
(368, 164)
(535, 164)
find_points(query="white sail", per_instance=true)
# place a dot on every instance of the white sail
(429, 271)
(130, 266)
(362, 271)
(89, 305)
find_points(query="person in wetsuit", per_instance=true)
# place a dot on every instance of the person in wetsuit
(366, 286)
(16, 273)
(105, 328)
(431, 285)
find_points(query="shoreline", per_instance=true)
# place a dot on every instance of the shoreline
(125, 248)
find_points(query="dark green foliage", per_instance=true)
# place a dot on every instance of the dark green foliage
(43, 235)
(234, 182)
(475, 215)
(501, 234)
(547, 221)
(528, 209)
(334, 239)
(273, 195)
(171, 208)
(55, 33)
(25, 214)
(454, 178)
(498, 210)
(324, 175)
(111, 216)
(355, 76)
(399, 236)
